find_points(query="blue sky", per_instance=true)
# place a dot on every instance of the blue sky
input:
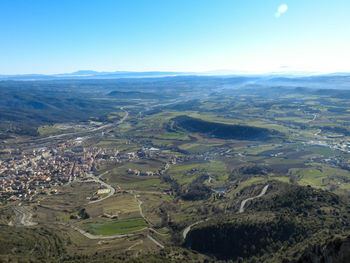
(56, 36)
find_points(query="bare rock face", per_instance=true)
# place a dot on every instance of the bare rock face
(336, 251)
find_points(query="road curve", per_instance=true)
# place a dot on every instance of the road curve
(149, 223)
(102, 237)
(318, 132)
(23, 217)
(111, 189)
(241, 209)
(89, 131)
(187, 229)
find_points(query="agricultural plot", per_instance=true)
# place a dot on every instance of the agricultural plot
(120, 226)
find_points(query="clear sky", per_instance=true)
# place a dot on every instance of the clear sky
(56, 36)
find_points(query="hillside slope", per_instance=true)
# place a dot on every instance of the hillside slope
(277, 228)
(223, 131)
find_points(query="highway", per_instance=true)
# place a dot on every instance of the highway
(31, 144)
(90, 131)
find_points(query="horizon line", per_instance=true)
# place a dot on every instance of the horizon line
(215, 72)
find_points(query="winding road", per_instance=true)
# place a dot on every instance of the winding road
(314, 117)
(263, 191)
(101, 237)
(241, 210)
(149, 228)
(318, 132)
(134, 233)
(187, 229)
(23, 216)
(109, 187)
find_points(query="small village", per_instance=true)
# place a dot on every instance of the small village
(42, 170)
(38, 171)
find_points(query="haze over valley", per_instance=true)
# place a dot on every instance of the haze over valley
(216, 132)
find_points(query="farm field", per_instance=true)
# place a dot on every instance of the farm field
(147, 176)
(117, 227)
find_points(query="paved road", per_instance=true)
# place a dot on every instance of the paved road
(23, 217)
(140, 209)
(111, 189)
(315, 115)
(102, 237)
(40, 142)
(318, 132)
(92, 130)
(149, 223)
(187, 229)
(145, 218)
(155, 241)
(241, 209)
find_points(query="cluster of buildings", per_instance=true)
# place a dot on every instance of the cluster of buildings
(41, 170)
(158, 172)
(38, 171)
(343, 146)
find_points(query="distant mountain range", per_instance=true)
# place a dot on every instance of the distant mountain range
(90, 74)
(339, 80)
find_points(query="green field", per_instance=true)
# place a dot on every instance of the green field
(120, 226)
(47, 129)
(305, 162)
(187, 172)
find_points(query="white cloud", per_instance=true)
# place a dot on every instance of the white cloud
(281, 10)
